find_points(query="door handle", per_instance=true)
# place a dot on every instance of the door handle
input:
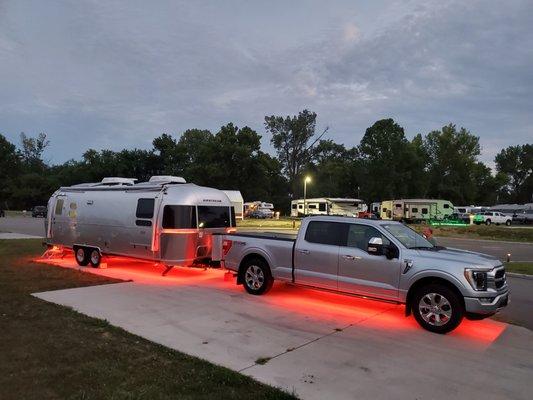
(353, 258)
(304, 251)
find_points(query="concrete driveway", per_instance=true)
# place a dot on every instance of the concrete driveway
(318, 344)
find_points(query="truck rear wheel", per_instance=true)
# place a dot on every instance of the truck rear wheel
(437, 308)
(488, 222)
(256, 276)
(82, 256)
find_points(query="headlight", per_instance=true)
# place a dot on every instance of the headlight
(477, 279)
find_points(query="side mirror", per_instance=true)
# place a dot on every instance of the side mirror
(375, 246)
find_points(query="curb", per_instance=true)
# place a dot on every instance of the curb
(521, 276)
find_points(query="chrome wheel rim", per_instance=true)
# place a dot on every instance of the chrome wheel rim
(435, 309)
(254, 277)
(95, 257)
(80, 255)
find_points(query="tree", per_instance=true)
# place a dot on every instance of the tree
(453, 154)
(290, 138)
(516, 163)
(9, 167)
(389, 161)
(32, 151)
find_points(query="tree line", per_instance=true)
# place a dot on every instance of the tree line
(385, 165)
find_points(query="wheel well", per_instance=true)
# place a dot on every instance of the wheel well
(428, 281)
(244, 261)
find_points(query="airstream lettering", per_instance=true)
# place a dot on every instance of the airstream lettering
(165, 220)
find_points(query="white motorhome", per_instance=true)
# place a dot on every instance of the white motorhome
(165, 220)
(262, 208)
(328, 206)
(237, 202)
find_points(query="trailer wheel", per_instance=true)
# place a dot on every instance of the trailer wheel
(82, 257)
(95, 258)
(437, 308)
(256, 276)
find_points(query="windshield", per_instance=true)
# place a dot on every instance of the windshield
(408, 237)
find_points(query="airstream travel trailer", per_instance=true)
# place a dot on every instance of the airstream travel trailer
(416, 209)
(328, 206)
(165, 220)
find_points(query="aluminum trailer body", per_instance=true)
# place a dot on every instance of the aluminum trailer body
(167, 223)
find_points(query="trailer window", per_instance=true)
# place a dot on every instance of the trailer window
(446, 205)
(233, 220)
(59, 206)
(414, 209)
(145, 208)
(213, 217)
(293, 206)
(313, 206)
(424, 211)
(179, 217)
(321, 206)
(333, 233)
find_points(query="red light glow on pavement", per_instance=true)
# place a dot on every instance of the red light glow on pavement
(309, 304)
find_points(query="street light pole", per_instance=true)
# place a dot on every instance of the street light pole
(306, 180)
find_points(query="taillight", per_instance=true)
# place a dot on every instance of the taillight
(226, 245)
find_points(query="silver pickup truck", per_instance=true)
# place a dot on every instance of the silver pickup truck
(379, 259)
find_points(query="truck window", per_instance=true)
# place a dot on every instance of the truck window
(213, 217)
(145, 208)
(321, 206)
(359, 235)
(323, 232)
(179, 217)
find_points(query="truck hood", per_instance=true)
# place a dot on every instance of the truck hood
(457, 256)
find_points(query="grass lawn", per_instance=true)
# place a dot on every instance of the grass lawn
(520, 267)
(50, 352)
(491, 232)
(268, 223)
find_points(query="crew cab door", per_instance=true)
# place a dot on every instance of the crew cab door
(316, 255)
(363, 273)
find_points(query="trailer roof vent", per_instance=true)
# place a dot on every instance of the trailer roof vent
(112, 181)
(166, 179)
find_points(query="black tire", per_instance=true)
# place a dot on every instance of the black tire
(508, 222)
(488, 222)
(95, 257)
(448, 303)
(82, 256)
(256, 276)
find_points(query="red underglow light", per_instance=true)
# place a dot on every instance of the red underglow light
(292, 302)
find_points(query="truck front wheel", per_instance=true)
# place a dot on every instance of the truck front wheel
(256, 277)
(437, 308)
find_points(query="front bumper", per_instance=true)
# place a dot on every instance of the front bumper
(476, 305)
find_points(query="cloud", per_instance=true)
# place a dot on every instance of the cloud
(117, 74)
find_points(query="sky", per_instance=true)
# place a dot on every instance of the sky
(117, 74)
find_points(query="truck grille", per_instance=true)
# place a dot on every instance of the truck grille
(499, 278)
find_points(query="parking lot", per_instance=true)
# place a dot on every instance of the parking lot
(311, 342)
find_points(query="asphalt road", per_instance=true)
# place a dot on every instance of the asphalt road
(520, 311)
